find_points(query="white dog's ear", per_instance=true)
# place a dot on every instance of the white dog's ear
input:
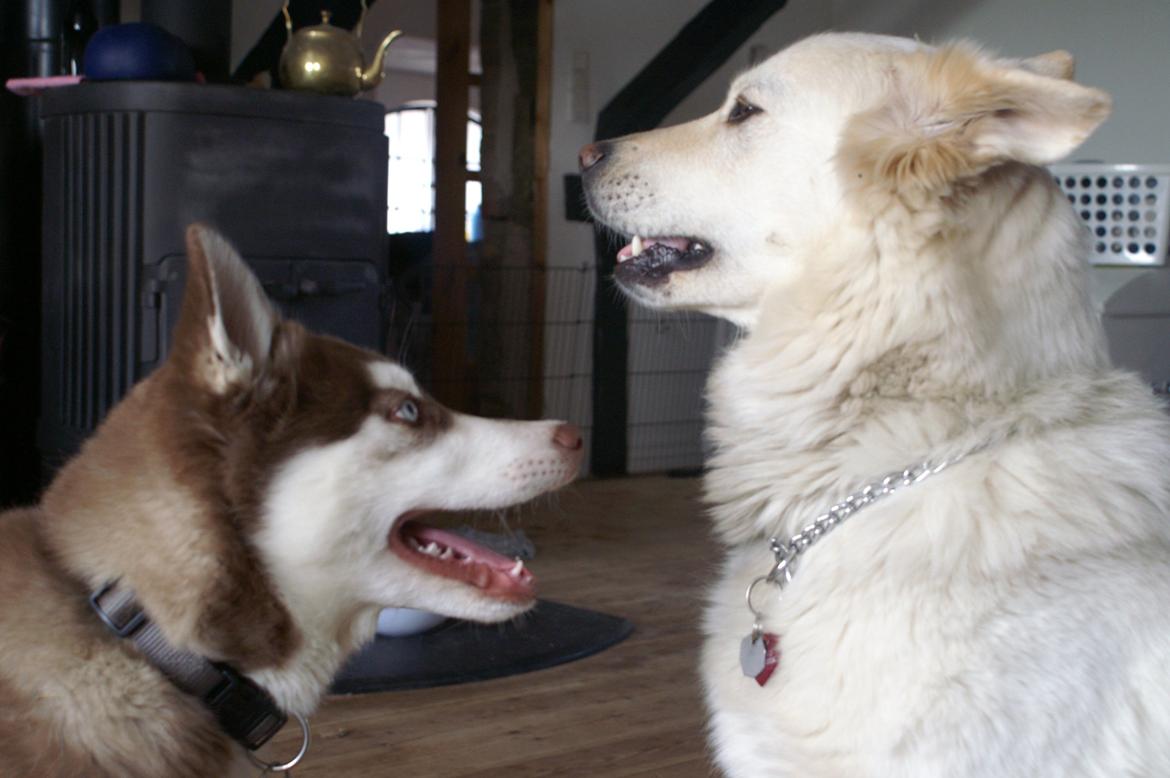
(226, 325)
(1034, 118)
(1054, 64)
(954, 112)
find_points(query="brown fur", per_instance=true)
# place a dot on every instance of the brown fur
(165, 500)
(75, 701)
(184, 495)
(149, 501)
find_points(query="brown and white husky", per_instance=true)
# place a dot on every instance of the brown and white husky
(259, 495)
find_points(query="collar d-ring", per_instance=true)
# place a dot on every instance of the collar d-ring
(748, 596)
(273, 767)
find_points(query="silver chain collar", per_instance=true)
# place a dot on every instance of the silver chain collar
(788, 552)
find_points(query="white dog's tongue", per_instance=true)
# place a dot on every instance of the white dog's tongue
(640, 244)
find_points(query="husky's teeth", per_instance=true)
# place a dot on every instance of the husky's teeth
(637, 245)
(447, 554)
(517, 569)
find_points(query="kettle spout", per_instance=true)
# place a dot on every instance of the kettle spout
(372, 75)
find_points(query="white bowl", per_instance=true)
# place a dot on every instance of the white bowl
(399, 622)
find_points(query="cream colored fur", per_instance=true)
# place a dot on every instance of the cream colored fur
(911, 284)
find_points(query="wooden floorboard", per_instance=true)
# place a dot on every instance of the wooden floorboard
(633, 547)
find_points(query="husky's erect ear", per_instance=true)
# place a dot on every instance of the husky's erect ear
(954, 112)
(226, 326)
(211, 592)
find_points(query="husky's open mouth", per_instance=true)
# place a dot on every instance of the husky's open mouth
(650, 261)
(446, 554)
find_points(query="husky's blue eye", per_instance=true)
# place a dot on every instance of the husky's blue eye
(742, 110)
(407, 411)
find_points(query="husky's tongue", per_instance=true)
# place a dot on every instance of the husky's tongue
(452, 556)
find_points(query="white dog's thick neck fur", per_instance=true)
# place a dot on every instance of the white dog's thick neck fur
(910, 284)
(887, 350)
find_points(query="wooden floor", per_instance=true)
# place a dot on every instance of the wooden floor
(634, 547)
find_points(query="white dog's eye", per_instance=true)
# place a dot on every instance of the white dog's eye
(742, 110)
(407, 411)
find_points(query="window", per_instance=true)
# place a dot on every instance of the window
(410, 185)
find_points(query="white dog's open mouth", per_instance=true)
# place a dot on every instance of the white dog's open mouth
(650, 261)
(448, 555)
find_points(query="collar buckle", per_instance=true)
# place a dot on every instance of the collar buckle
(243, 709)
(135, 618)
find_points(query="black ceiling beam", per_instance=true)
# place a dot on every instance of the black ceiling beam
(697, 51)
(690, 58)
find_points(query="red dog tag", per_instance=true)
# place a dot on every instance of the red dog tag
(759, 656)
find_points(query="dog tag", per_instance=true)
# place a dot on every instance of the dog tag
(759, 656)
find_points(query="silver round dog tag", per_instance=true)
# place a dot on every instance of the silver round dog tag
(753, 655)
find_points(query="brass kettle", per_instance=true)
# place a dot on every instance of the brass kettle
(328, 59)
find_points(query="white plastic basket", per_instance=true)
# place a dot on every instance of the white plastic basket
(1126, 207)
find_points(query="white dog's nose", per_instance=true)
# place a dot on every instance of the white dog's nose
(567, 436)
(589, 155)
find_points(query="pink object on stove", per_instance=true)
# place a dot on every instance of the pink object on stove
(26, 87)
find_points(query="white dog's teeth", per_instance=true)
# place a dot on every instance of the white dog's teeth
(447, 554)
(432, 549)
(517, 569)
(636, 246)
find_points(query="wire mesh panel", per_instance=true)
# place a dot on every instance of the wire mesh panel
(568, 347)
(520, 361)
(670, 357)
(526, 361)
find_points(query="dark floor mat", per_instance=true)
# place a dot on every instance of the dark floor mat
(458, 651)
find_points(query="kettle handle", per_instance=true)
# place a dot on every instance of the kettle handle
(288, 20)
(357, 30)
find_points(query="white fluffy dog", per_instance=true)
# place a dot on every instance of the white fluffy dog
(912, 287)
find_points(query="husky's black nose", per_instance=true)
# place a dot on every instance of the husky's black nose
(590, 154)
(567, 436)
